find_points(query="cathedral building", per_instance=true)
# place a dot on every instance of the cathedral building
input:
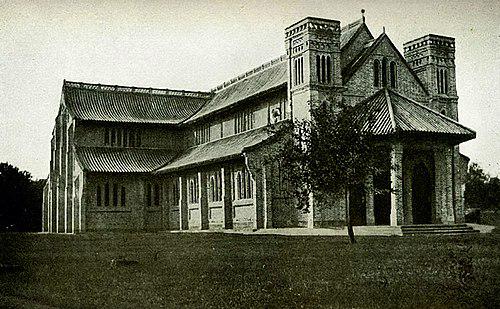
(145, 159)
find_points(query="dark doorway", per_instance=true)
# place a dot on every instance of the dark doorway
(357, 205)
(382, 199)
(422, 185)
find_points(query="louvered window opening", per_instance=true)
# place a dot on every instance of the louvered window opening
(202, 134)
(324, 69)
(298, 69)
(110, 195)
(244, 121)
(442, 80)
(122, 137)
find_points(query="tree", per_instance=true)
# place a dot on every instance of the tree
(332, 152)
(20, 200)
(481, 190)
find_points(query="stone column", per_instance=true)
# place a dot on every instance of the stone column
(450, 215)
(259, 178)
(83, 204)
(268, 214)
(396, 217)
(458, 173)
(203, 189)
(370, 198)
(183, 210)
(227, 200)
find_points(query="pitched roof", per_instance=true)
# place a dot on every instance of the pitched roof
(131, 104)
(267, 77)
(348, 32)
(122, 160)
(387, 112)
(219, 150)
(357, 62)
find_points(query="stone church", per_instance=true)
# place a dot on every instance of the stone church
(146, 159)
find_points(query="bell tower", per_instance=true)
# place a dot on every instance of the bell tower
(432, 58)
(313, 51)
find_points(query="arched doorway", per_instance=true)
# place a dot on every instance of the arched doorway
(422, 192)
(357, 205)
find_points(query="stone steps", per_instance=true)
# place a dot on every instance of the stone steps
(440, 229)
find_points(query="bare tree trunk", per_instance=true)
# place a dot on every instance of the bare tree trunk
(350, 230)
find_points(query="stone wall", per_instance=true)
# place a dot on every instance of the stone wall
(361, 84)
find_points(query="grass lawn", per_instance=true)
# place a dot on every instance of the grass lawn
(228, 270)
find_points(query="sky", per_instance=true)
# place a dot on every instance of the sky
(196, 45)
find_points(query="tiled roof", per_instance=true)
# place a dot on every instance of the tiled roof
(387, 112)
(264, 78)
(122, 160)
(222, 149)
(348, 32)
(131, 104)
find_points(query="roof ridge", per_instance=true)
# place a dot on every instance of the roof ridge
(391, 111)
(431, 110)
(119, 148)
(140, 90)
(249, 73)
(353, 24)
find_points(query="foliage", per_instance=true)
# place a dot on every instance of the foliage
(20, 200)
(481, 190)
(329, 153)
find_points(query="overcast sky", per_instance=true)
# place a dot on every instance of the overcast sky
(196, 45)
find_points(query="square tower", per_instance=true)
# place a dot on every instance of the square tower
(313, 50)
(432, 58)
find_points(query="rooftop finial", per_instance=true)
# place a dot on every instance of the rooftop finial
(383, 29)
(363, 14)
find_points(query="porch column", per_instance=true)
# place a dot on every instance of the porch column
(396, 184)
(183, 210)
(268, 215)
(369, 197)
(227, 200)
(259, 197)
(202, 180)
(450, 213)
(459, 170)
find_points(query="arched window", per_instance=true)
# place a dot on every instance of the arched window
(106, 137)
(445, 81)
(318, 68)
(123, 197)
(212, 189)
(392, 70)
(149, 198)
(323, 69)
(238, 186)
(384, 72)
(438, 81)
(99, 196)
(119, 138)
(138, 138)
(441, 76)
(376, 73)
(106, 194)
(113, 137)
(115, 195)
(328, 69)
